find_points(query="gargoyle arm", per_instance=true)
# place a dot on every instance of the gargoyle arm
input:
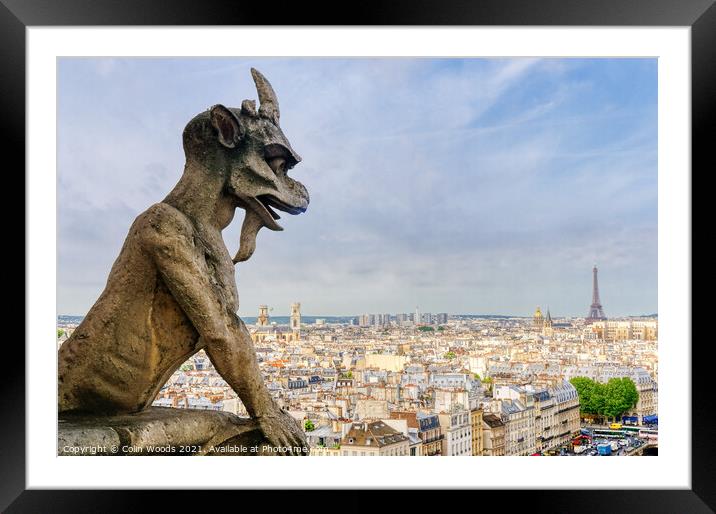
(168, 238)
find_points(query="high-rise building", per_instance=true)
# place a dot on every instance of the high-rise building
(363, 320)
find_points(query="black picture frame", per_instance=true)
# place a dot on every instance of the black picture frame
(700, 15)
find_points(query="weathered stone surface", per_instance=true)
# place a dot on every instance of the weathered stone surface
(172, 290)
(160, 431)
(86, 439)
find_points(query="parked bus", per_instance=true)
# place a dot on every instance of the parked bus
(611, 434)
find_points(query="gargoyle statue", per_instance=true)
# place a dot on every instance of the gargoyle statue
(172, 292)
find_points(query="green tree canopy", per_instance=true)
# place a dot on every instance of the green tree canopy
(612, 399)
(425, 328)
(620, 396)
(60, 333)
(588, 390)
(308, 425)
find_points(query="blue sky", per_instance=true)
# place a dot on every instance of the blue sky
(457, 185)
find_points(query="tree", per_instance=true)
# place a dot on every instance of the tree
(591, 397)
(450, 355)
(631, 392)
(620, 396)
(308, 425)
(611, 400)
(60, 333)
(425, 329)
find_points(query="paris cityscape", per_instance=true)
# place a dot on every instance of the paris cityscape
(476, 273)
(437, 384)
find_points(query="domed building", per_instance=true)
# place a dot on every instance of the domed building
(538, 320)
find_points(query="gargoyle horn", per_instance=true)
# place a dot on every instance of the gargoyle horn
(267, 97)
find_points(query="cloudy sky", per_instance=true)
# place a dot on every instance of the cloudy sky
(483, 186)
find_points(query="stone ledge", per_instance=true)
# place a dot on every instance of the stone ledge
(160, 431)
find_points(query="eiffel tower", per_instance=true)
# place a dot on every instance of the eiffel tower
(596, 313)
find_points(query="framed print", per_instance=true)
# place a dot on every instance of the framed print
(425, 180)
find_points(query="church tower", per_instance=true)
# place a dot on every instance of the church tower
(548, 330)
(263, 319)
(296, 319)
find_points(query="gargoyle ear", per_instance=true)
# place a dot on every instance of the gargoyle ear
(227, 125)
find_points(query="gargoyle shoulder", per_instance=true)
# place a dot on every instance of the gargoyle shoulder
(163, 227)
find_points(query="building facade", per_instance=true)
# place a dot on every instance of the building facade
(457, 432)
(628, 330)
(493, 430)
(519, 423)
(477, 438)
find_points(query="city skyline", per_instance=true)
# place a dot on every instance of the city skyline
(395, 312)
(476, 186)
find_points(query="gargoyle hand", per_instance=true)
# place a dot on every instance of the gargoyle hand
(283, 431)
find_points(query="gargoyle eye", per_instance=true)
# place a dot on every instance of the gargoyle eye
(278, 151)
(277, 164)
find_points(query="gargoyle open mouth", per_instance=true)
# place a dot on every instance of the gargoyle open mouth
(269, 201)
(264, 206)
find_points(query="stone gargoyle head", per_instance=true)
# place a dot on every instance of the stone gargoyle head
(249, 148)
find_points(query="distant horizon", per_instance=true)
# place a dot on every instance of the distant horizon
(271, 315)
